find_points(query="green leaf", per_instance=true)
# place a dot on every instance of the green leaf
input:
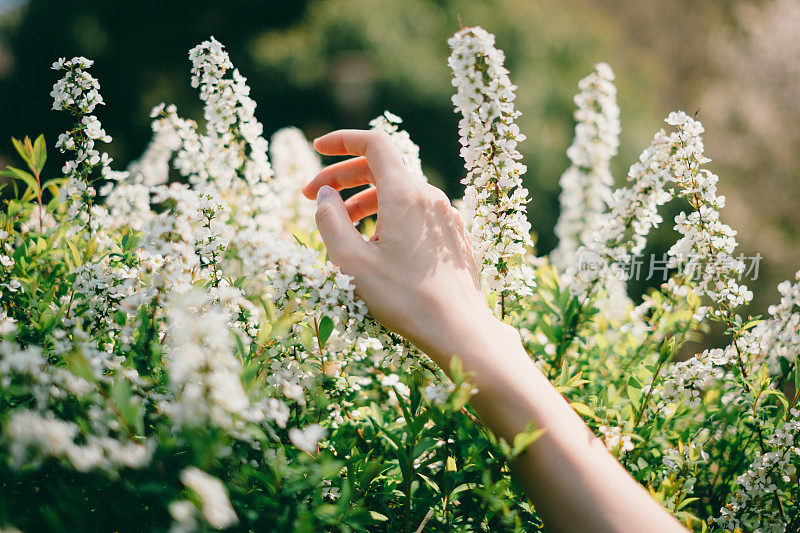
(45, 300)
(41, 245)
(456, 370)
(403, 407)
(431, 483)
(22, 149)
(76, 256)
(548, 330)
(370, 472)
(525, 438)
(564, 375)
(79, 366)
(796, 377)
(583, 409)
(130, 410)
(91, 247)
(633, 382)
(301, 243)
(19, 174)
(667, 349)
(378, 516)
(324, 330)
(634, 391)
(39, 154)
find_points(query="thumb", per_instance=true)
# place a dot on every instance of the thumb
(343, 241)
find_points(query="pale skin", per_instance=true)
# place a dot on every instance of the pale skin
(418, 277)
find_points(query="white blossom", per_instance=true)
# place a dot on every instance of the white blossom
(706, 244)
(494, 199)
(615, 440)
(77, 93)
(408, 150)
(215, 504)
(307, 439)
(633, 212)
(229, 110)
(294, 162)
(203, 370)
(754, 501)
(587, 184)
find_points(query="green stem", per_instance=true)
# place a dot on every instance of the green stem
(39, 198)
(661, 362)
(407, 488)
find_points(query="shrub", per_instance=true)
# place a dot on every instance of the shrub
(177, 353)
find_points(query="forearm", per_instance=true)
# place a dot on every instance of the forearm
(574, 482)
(418, 276)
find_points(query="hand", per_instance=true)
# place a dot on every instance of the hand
(418, 277)
(417, 273)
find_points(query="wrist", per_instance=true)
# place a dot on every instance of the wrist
(484, 344)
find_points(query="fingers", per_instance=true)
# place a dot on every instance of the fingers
(343, 175)
(363, 204)
(382, 157)
(344, 243)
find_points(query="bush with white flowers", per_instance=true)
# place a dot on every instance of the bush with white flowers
(177, 354)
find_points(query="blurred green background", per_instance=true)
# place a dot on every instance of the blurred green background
(326, 64)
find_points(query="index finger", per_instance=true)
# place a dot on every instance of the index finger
(382, 157)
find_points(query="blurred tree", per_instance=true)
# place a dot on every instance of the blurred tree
(365, 56)
(333, 63)
(140, 49)
(325, 64)
(752, 114)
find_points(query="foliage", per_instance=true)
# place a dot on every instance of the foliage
(181, 356)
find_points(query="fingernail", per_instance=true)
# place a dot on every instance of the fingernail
(325, 192)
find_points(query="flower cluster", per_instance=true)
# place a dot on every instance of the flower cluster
(229, 110)
(294, 162)
(214, 502)
(614, 440)
(686, 380)
(587, 184)
(78, 93)
(775, 339)
(754, 502)
(705, 240)
(632, 213)
(704, 253)
(494, 195)
(409, 151)
(195, 355)
(203, 369)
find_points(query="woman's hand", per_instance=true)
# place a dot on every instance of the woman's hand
(417, 274)
(418, 277)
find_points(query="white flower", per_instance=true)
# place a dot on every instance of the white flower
(753, 501)
(215, 504)
(586, 184)
(277, 411)
(30, 431)
(203, 370)
(183, 513)
(494, 199)
(308, 438)
(229, 109)
(705, 247)
(77, 93)
(7, 324)
(408, 150)
(295, 162)
(633, 211)
(438, 393)
(615, 440)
